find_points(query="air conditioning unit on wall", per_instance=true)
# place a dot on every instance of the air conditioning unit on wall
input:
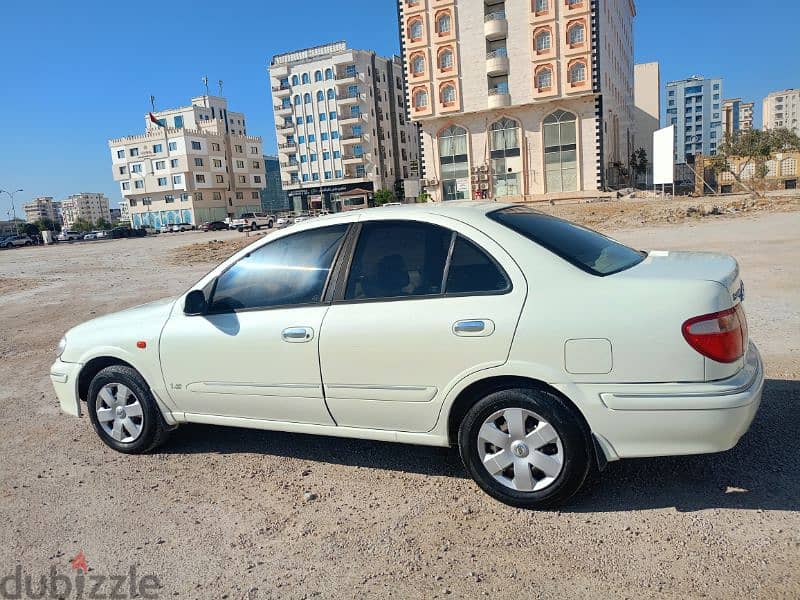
(484, 186)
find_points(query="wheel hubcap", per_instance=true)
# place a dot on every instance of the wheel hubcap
(520, 450)
(119, 412)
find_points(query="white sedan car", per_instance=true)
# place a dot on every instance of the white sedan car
(540, 348)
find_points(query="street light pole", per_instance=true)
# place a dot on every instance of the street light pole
(11, 195)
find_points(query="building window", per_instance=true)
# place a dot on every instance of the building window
(160, 165)
(303, 158)
(240, 195)
(133, 152)
(254, 195)
(560, 152)
(120, 153)
(123, 170)
(307, 98)
(196, 146)
(173, 162)
(199, 178)
(256, 164)
(147, 201)
(240, 164)
(415, 30)
(443, 24)
(454, 163)
(338, 174)
(220, 179)
(326, 155)
(242, 178)
(417, 64)
(256, 178)
(138, 184)
(446, 59)
(541, 6)
(177, 179)
(136, 168)
(337, 154)
(178, 121)
(505, 153)
(575, 35)
(306, 79)
(157, 148)
(162, 181)
(315, 176)
(305, 177)
(312, 138)
(324, 136)
(215, 146)
(169, 198)
(295, 80)
(126, 185)
(544, 79)
(297, 100)
(334, 135)
(420, 99)
(309, 118)
(317, 75)
(577, 73)
(198, 162)
(328, 73)
(313, 157)
(238, 148)
(217, 195)
(542, 41)
(448, 94)
(322, 116)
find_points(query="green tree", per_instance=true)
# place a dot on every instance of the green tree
(423, 197)
(81, 225)
(29, 229)
(383, 196)
(638, 163)
(753, 147)
(102, 224)
(48, 225)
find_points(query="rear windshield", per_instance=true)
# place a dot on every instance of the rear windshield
(584, 248)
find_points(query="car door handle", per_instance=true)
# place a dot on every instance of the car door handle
(473, 327)
(297, 334)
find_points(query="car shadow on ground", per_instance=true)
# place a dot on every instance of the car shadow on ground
(761, 472)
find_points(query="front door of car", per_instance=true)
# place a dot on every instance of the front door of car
(422, 306)
(254, 353)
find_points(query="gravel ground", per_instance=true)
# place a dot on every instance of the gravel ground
(226, 513)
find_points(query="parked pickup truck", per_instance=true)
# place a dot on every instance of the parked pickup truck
(69, 236)
(252, 220)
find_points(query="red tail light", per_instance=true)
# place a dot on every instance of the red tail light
(721, 336)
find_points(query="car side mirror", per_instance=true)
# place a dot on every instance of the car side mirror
(195, 303)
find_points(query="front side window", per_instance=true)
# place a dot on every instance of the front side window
(396, 260)
(584, 248)
(290, 271)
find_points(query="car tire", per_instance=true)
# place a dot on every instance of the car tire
(139, 427)
(269, 225)
(524, 475)
(253, 227)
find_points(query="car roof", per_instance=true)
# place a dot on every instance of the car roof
(459, 209)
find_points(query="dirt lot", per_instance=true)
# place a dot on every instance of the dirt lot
(221, 513)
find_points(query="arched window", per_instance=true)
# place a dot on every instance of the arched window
(446, 59)
(506, 160)
(448, 94)
(420, 98)
(415, 30)
(560, 152)
(418, 64)
(544, 78)
(306, 78)
(306, 97)
(295, 80)
(443, 23)
(328, 73)
(577, 73)
(454, 163)
(542, 40)
(331, 94)
(297, 100)
(320, 96)
(317, 75)
(575, 34)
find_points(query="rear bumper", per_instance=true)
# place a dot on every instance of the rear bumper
(671, 419)
(64, 377)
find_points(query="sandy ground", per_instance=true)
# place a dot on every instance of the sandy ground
(220, 513)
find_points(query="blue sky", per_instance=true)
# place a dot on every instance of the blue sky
(74, 73)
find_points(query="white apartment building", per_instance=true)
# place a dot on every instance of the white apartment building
(42, 207)
(86, 206)
(200, 166)
(522, 100)
(782, 109)
(341, 125)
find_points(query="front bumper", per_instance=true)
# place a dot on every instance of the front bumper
(64, 376)
(679, 418)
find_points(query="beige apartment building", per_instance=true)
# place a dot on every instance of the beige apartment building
(42, 207)
(782, 109)
(341, 125)
(736, 116)
(86, 206)
(647, 105)
(200, 166)
(524, 100)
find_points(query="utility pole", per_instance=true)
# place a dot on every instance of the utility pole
(153, 102)
(204, 79)
(219, 83)
(11, 195)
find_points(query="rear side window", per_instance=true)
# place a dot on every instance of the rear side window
(584, 248)
(472, 271)
(289, 271)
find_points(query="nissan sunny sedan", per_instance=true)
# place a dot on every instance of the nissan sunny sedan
(539, 348)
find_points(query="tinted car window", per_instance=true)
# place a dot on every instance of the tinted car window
(398, 259)
(291, 270)
(584, 248)
(472, 271)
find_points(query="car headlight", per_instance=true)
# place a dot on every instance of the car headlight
(62, 345)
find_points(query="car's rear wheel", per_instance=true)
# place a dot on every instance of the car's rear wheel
(269, 225)
(123, 411)
(253, 226)
(525, 447)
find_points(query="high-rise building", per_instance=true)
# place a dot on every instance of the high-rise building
(647, 110)
(736, 116)
(42, 207)
(782, 109)
(193, 164)
(341, 124)
(86, 206)
(520, 99)
(694, 106)
(273, 196)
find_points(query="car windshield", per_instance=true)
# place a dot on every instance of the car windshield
(584, 248)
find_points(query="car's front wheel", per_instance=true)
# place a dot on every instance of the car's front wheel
(525, 447)
(123, 411)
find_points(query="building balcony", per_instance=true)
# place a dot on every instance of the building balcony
(352, 159)
(497, 62)
(284, 126)
(351, 120)
(348, 100)
(291, 165)
(351, 139)
(288, 146)
(499, 97)
(283, 110)
(281, 90)
(345, 79)
(495, 25)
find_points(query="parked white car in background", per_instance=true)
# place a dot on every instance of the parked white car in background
(252, 221)
(538, 347)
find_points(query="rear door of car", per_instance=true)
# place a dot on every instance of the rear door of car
(419, 306)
